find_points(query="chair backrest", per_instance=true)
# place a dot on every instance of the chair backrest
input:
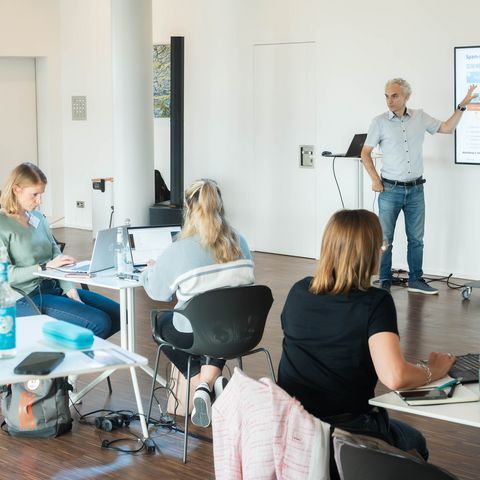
(359, 456)
(228, 322)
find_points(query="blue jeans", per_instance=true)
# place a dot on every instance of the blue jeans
(97, 313)
(399, 434)
(411, 200)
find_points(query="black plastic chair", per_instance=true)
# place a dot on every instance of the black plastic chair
(227, 323)
(360, 456)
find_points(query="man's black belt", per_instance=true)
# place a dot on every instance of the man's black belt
(412, 183)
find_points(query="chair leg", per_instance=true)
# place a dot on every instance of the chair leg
(109, 385)
(154, 379)
(187, 409)
(270, 364)
(240, 363)
(269, 360)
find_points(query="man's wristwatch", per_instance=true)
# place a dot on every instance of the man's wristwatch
(462, 109)
(43, 266)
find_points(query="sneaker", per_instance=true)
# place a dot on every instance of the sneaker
(72, 380)
(386, 285)
(219, 385)
(420, 286)
(202, 406)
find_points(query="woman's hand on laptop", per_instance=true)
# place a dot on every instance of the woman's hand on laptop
(61, 261)
(73, 294)
(151, 263)
(440, 363)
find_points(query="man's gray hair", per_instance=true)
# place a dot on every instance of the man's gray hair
(407, 89)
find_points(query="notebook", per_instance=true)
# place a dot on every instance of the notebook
(354, 149)
(103, 256)
(148, 243)
(430, 395)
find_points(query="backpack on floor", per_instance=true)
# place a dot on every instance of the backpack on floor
(37, 408)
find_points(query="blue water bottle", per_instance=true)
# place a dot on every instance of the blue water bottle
(7, 310)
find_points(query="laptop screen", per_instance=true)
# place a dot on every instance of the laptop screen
(148, 243)
(355, 148)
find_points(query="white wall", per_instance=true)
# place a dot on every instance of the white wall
(359, 46)
(18, 114)
(29, 28)
(86, 70)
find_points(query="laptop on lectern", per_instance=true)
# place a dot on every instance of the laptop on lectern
(354, 149)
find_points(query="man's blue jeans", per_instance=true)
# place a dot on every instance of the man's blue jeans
(411, 200)
(97, 313)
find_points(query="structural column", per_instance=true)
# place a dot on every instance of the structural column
(133, 154)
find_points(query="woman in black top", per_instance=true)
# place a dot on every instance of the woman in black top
(341, 336)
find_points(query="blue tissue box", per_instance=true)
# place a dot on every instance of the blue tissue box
(68, 334)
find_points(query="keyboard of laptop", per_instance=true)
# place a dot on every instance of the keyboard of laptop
(466, 367)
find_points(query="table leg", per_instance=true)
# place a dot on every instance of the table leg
(129, 301)
(138, 398)
(77, 396)
(123, 319)
(130, 309)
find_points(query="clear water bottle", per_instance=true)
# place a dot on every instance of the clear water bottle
(7, 311)
(127, 253)
(120, 253)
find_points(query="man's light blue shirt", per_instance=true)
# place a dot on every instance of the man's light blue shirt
(401, 142)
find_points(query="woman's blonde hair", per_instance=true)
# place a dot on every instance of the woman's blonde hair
(204, 215)
(350, 253)
(24, 175)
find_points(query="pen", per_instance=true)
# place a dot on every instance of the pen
(452, 389)
(450, 383)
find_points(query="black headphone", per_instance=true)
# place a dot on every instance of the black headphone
(112, 421)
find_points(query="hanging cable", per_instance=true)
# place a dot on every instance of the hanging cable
(336, 181)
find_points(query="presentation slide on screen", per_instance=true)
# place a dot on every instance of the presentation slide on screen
(467, 135)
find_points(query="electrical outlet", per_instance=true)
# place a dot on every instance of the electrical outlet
(80, 204)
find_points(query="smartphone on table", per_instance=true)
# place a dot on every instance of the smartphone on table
(433, 394)
(39, 363)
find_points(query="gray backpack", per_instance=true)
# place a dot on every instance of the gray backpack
(37, 408)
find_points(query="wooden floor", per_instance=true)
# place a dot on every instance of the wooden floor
(426, 323)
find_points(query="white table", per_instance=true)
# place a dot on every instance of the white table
(126, 289)
(463, 413)
(30, 339)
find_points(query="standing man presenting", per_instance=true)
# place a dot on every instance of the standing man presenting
(400, 133)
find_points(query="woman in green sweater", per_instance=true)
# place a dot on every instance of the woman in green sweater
(25, 234)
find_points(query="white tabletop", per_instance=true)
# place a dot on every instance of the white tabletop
(105, 279)
(463, 413)
(30, 339)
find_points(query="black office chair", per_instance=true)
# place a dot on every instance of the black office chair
(360, 456)
(227, 323)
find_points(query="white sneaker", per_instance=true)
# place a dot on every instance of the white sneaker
(202, 406)
(72, 380)
(219, 385)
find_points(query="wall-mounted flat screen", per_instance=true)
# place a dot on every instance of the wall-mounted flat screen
(467, 134)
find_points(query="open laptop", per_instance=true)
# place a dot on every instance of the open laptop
(148, 243)
(354, 149)
(103, 256)
(466, 367)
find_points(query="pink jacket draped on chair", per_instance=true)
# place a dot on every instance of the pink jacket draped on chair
(261, 433)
